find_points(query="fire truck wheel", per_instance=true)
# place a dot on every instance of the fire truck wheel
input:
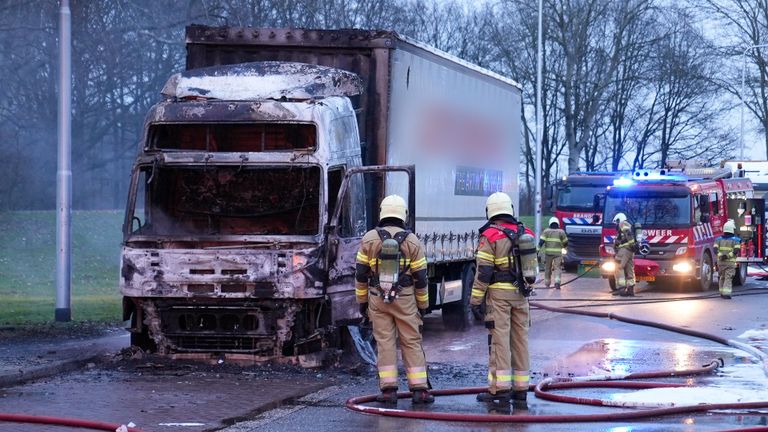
(458, 315)
(706, 271)
(740, 278)
(612, 283)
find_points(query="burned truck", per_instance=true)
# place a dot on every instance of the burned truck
(262, 167)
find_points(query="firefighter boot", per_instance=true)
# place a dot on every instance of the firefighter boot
(725, 296)
(422, 396)
(387, 396)
(557, 285)
(519, 399)
(628, 292)
(619, 291)
(501, 397)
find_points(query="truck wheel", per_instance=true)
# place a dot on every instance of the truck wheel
(457, 315)
(612, 283)
(740, 278)
(141, 338)
(704, 282)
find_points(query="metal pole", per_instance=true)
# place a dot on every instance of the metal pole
(743, 99)
(539, 125)
(64, 170)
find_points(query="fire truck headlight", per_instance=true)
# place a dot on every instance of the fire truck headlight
(681, 250)
(609, 266)
(682, 267)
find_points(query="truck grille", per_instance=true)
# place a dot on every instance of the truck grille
(221, 328)
(223, 343)
(584, 247)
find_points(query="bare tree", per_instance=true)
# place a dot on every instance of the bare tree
(746, 29)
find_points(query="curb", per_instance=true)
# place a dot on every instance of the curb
(57, 367)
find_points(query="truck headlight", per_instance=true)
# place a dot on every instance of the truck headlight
(682, 267)
(609, 266)
(681, 250)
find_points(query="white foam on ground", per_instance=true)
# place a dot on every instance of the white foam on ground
(733, 384)
(761, 334)
(683, 396)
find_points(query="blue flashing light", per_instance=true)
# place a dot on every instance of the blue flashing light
(658, 176)
(623, 182)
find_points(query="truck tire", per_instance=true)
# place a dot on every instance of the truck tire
(458, 316)
(141, 338)
(740, 278)
(706, 273)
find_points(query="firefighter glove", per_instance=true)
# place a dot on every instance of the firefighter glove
(723, 257)
(364, 309)
(476, 312)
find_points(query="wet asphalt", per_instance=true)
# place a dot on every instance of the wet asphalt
(163, 396)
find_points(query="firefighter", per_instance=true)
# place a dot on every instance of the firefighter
(624, 245)
(727, 247)
(391, 289)
(507, 314)
(554, 241)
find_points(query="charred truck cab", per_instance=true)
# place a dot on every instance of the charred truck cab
(681, 213)
(227, 209)
(263, 166)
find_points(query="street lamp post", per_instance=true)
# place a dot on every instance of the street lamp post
(63, 312)
(741, 92)
(539, 125)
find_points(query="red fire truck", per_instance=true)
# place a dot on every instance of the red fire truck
(681, 213)
(579, 213)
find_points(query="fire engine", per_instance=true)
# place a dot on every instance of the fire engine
(680, 214)
(577, 204)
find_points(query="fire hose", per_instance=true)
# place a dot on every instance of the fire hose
(63, 421)
(542, 389)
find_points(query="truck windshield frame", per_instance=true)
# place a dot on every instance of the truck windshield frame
(233, 137)
(225, 202)
(577, 197)
(650, 209)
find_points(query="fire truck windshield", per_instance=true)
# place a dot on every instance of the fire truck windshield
(651, 210)
(578, 198)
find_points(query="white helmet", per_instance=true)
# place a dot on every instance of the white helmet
(553, 220)
(497, 204)
(619, 218)
(729, 227)
(393, 206)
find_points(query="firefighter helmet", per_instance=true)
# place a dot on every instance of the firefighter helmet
(619, 218)
(553, 220)
(729, 227)
(497, 204)
(393, 206)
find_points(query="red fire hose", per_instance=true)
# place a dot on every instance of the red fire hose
(609, 381)
(61, 421)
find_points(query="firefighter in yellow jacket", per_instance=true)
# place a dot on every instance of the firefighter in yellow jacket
(624, 245)
(727, 247)
(507, 313)
(391, 288)
(554, 241)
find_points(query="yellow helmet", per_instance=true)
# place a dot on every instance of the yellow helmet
(553, 220)
(497, 204)
(729, 227)
(619, 218)
(393, 206)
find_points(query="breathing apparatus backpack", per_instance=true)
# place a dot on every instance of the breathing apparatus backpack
(390, 279)
(523, 253)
